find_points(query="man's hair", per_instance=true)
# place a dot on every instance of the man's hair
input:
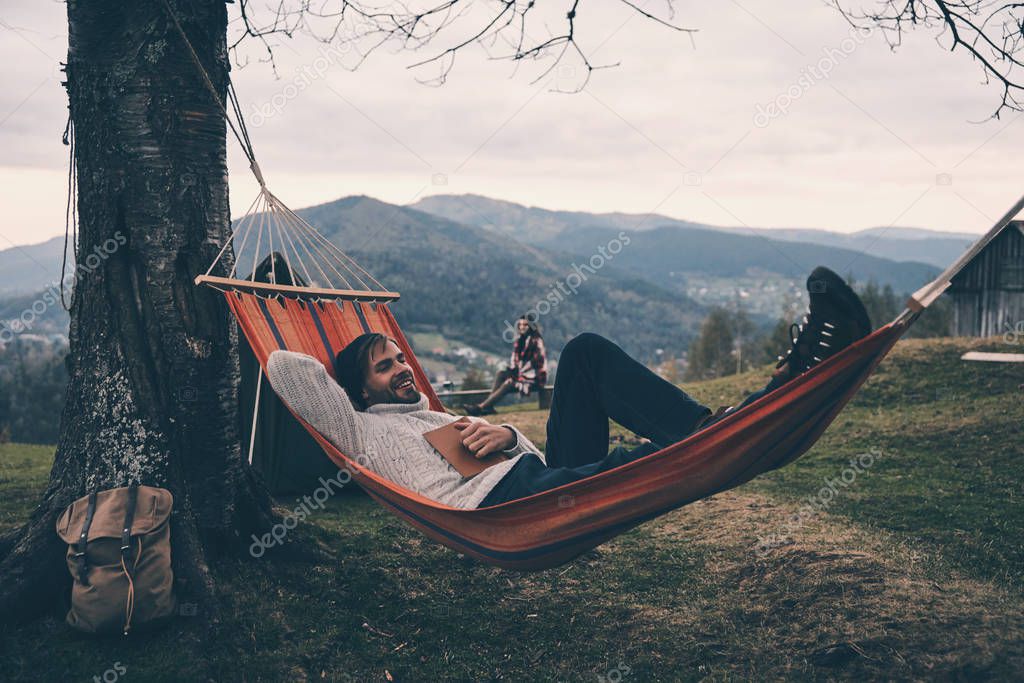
(351, 363)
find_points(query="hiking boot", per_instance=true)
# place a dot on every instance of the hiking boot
(835, 319)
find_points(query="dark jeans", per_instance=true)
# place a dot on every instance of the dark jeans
(596, 380)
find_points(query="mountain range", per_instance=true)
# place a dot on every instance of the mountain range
(29, 268)
(466, 264)
(717, 266)
(537, 226)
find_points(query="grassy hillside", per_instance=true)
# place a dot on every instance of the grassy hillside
(913, 571)
(950, 435)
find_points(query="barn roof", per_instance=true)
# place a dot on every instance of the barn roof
(996, 265)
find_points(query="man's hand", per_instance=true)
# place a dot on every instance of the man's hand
(483, 438)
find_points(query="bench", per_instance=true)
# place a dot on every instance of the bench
(463, 398)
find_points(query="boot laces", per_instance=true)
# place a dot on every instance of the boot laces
(796, 332)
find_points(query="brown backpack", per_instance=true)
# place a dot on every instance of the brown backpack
(119, 556)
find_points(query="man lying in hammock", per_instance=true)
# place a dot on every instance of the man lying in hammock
(374, 410)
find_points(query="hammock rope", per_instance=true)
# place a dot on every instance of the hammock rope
(324, 312)
(271, 218)
(270, 227)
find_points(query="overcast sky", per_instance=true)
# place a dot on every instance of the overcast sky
(683, 126)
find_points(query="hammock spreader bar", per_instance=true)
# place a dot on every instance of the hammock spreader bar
(289, 290)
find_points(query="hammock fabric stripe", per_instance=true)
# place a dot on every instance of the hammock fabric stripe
(270, 324)
(362, 317)
(328, 348)
(550, 528)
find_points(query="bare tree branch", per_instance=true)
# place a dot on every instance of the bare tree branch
(990, 32)
(513, 30)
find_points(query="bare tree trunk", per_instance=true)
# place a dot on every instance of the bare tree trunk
(153, 366)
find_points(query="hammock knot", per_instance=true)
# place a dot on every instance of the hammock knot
(258, 173)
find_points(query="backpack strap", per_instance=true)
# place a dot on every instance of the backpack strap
(126, 528)
(83, 539)
(126, 553)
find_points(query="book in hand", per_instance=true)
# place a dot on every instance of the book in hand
(447, 441)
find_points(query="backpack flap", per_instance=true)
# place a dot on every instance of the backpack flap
(153, 507)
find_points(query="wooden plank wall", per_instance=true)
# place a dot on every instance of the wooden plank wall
(988, 295)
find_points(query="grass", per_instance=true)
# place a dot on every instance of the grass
(950, 439)
(912, 571)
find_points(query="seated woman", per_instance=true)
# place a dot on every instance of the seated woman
(375, 411)
(527, 369)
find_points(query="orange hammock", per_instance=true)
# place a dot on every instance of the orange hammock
(343, 301)
(550, 528)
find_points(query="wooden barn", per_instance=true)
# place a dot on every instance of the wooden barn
(988, 294)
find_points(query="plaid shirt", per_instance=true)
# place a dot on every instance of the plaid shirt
(528, 363)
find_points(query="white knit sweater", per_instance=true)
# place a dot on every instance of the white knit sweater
(389, 435)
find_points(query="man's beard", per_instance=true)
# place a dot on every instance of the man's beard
(403, 390)
(412, 396)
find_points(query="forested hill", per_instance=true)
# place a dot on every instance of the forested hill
(465, 281)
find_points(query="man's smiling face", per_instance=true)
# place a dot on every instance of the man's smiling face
(389, 378)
